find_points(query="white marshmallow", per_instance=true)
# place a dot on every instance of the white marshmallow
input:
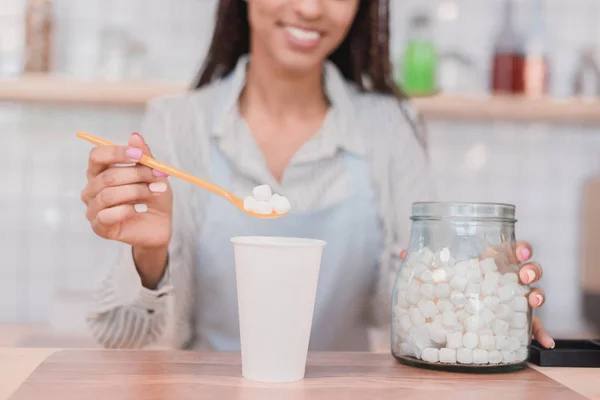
(520, 304)
(460, 269)
(281, 205)
(426, 256)
(447, 356)
(502, 342)
(485, 332)
(428, 290)
(263, 207)
(449, 318)
(506, 293)
(480, 356)
(474, 275)
(445, 255)
(401, 300)
(458, 299)
(488, 288)
(262, 193)
(509, 277)
(464, 356)
(406, 274)
(513, 343)
(428, 308)
(521, 334)
(493, 277)
(473, 289)
(491, 302)
(474, 305)
(438, 319)
(250, 203)
(519, 320)
(459, 283)
(474, 323)
(438, 275)
(488, 316)
(521, 354)
(488, 265)
(430, 354)
(419, 268)
(462, 315)
(503, 311)
(470, 340)
(426, 277)
(442, 290)
(500, 327)
(413, 297)
(454, 340)
(521, 290)
(444, 305)
(406, 323)
(437, 333)
(419, 337)
(487, 342)
(449, 272)
(508, 356)
(412, 258)
(494, 357)
(416, 316)
(405, 350)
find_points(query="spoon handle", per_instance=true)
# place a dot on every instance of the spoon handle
(162, 167)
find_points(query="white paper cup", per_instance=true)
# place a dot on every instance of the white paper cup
(276, 288)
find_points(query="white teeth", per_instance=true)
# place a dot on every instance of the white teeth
(302, 34)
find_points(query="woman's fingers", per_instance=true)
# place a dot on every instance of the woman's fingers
(102, 157)
(128, 194)
(540, 333)
(530, 273)
(536, 297)
(523, 251)
(118, 176)
(115, 215)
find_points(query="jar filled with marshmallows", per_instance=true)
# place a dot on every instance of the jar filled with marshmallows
(458, 302)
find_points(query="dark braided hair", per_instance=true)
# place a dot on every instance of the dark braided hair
(363, 57)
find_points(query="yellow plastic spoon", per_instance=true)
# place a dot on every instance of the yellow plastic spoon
(172, 171)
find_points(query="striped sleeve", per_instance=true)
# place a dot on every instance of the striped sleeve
(125, 314)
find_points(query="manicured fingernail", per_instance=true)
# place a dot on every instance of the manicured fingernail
(553, 345)
(530, 276)
(133, 153)
(158, 187)
(539, 299)
(525, 254)
(402, 254)
(159, 174)
(140, 208)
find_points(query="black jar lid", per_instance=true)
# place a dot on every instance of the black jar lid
(464, 211)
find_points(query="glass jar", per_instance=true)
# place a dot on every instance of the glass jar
(458, 302)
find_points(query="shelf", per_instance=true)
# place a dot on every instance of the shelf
(59, 90)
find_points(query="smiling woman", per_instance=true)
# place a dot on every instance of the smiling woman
(294, 94)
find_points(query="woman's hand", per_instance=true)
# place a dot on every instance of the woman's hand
(110, 195)
(529, 273)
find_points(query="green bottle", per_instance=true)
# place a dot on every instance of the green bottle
(420, 62)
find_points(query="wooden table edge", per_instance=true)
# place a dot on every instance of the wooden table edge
(23, 361)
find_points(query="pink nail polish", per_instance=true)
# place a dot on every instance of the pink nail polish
(530, 276)
(553, 345)
(525, 254)
(539, 299)
(133, 153)
(159, 174)
(158, 187)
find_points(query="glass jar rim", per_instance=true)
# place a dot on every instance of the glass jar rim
(500, 212)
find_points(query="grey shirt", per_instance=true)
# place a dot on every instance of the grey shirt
(180, 131)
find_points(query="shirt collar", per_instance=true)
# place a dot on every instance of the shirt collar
(343, 132)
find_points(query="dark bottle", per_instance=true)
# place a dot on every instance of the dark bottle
(508, 61)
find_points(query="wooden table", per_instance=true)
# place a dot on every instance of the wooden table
(150, 374)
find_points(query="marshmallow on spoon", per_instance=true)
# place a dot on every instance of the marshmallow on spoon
(262, 193)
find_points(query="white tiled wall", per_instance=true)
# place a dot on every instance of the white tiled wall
(50, 258)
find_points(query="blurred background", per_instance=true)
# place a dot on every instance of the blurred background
(509, 91)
